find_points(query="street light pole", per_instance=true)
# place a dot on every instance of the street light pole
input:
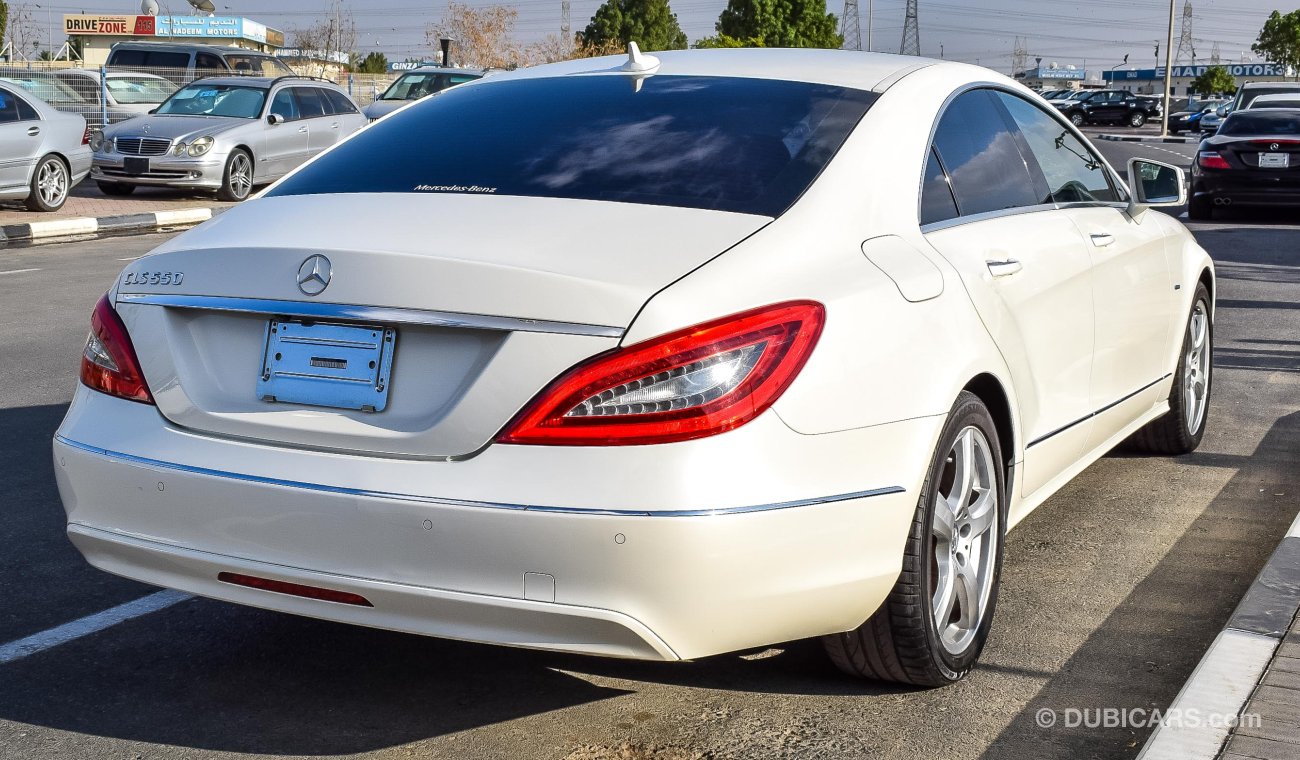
(1169, 71)
(870, 14)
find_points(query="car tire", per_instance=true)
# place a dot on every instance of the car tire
(1137, 120)
(1077, 119)
(1181, 429)
(900, 641)
(237, 181)
(50, 185)
(118, 189)
(1200, 208)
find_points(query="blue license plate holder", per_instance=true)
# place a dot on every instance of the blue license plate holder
(327, 364)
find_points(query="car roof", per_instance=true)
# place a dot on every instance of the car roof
(218, 49)
(843, 68)
(444, 70)
(1283, 85)
(267, 81)
(95, 73)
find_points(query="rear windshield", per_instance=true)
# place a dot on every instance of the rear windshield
(1258, 123)
(1248, 96)
(730, 144)
(416, 85)
(257, 65)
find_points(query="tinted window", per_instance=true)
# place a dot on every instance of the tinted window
(980, 153)
(25, 111)
(126, 58)
(208, 62)
(285, 104)
(937, 203)
(257, 65)
(1254, 122)
(1073, 173)
(732, 144)
(309, 102)
(1248, 96)
(8, 107)
(162, 60)
(339, 102)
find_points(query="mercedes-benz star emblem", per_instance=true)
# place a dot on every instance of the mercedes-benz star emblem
(314, 275)
(1274, 146)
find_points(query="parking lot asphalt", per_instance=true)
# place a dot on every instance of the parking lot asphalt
(1112, 591)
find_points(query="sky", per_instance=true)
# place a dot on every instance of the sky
(1093, 34)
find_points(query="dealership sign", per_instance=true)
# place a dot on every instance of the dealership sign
(121, 26)
(1237, 70)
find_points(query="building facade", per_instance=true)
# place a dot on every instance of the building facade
(1152, 81)
(98, 33)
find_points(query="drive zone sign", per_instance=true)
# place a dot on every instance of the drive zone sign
(121, 26)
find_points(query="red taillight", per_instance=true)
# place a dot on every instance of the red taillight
(1208, 159)
(689, 384)
(294, 589)
(85, 136)
(109, 364)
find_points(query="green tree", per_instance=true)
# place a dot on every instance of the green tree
(723, 41)
(4, 22)
(1214, 81)
(781, 23)
(1279, 40)
(649, 23)
(373, 63)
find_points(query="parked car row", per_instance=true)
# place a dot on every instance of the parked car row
(1252, 155)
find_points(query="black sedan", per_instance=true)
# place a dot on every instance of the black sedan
(1110, 106)
(1253, 160)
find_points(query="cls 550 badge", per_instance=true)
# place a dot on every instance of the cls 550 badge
(153, 278)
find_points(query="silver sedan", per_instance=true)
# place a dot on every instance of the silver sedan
(227, 134)
(44, 153)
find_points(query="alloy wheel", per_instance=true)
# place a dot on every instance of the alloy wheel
(1196, 374)
(966, 531)
(241, 175)
(52, 183)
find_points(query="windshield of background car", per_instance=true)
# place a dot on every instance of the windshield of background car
(53, 91)
(414, 86)
(1261, 123)
(129, 90)
(257, 65)
(730, 144)
(215, 100)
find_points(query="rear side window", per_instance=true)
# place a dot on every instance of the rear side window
(309, 102)
(937, 202)
(126, 58)
(979, 150)
(337, 101)
(25, 111)
(1073, 172)
(208, 62)
(162, 60)
(726, 143)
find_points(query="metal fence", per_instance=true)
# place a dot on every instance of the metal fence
(107, 95)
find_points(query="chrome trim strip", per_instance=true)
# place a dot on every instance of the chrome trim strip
(1102, 410)
(131, 458)
(380, 314)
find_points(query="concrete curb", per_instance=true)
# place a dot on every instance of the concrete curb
(1141, 138)
(146, 222)
(1227, 675)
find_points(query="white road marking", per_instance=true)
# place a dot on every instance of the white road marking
(39, 642)
(19, 271)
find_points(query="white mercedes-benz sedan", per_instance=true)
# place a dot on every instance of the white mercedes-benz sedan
(647, 357)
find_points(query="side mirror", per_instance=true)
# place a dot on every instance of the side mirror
(1222, 111)
(153, 110)
(1155, 185)
(274, 119)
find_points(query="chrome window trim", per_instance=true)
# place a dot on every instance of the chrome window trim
(364, 493)
(1052, 113)
(379, 314)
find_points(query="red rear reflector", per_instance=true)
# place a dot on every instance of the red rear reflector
(294, 589)
(108, 363)
(1208, 159)
(692, 383)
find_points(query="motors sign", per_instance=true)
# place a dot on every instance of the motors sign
(119, 26)
(1235, 69)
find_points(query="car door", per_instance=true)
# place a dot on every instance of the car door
(1132, 283)
(286, 145)
(1026, 270)
(316, 114)
(17, 147)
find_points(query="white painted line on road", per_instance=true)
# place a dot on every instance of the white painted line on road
(39, 642)
(1216, 692)
(19, 271)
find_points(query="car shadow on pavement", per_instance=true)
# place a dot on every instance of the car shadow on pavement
(1169, 619)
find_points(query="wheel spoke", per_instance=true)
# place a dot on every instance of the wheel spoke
(963, 472)
(967, 587)
(945, 595)
(944, 525)
(981, 515)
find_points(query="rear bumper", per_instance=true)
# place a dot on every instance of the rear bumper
(1253, 191)
(175, 509)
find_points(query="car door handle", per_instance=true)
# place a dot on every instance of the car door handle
(1003, 268)
(302, 130)
(335, 125)
(33, 131)
(1102, 239)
